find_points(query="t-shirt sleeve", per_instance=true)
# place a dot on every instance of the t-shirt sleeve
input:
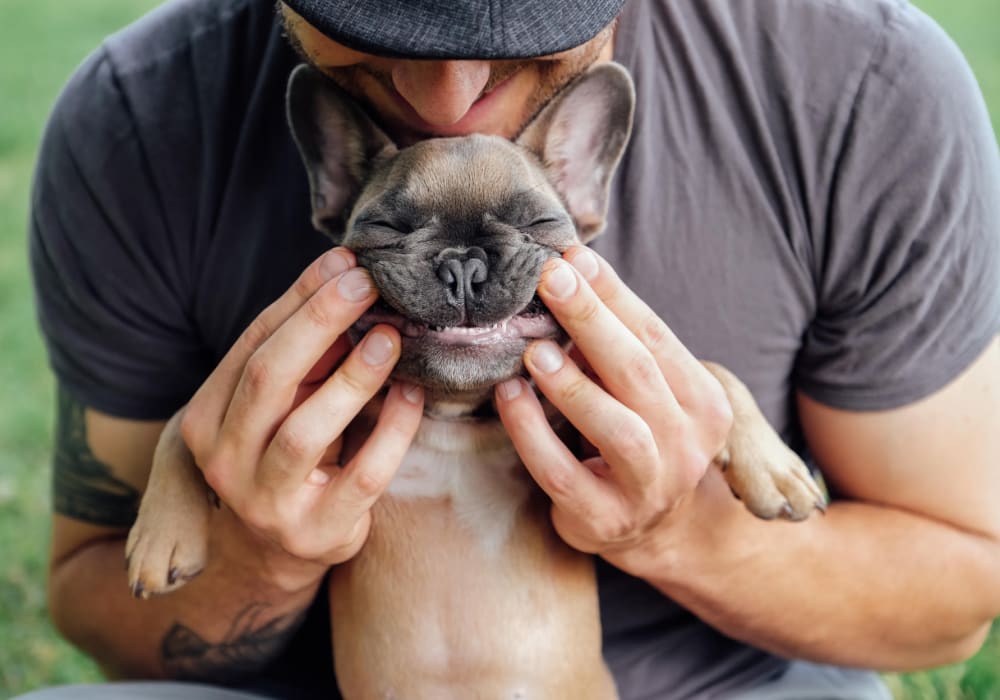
(908, 258)
(110, 278)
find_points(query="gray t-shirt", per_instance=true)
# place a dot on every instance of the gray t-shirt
(811, 197)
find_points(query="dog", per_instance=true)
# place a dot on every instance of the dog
(463, 589)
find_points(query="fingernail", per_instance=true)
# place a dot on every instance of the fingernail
(547, 357)
(411, 392)
(561, 282)
(377, 349)
(586, 264)
(355, 285)
(510, 389)
(332, 264)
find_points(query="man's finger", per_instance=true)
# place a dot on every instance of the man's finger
(305, 435)
(683, 372)
(208, 406)
(370, 471)
(623, 438)
(626, 367)
(571, 485)
(267, 389)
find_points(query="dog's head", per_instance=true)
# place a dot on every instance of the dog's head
(455, 230)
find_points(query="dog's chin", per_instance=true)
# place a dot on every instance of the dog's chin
(461, 360)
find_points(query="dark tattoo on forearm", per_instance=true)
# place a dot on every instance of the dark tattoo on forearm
(246, 646)
(83, 487)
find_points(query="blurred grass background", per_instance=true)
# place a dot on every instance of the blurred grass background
(41, 41)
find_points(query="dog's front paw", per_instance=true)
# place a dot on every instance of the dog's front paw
(760, 468)
(770, 479)
(168, 543)
(163, 552)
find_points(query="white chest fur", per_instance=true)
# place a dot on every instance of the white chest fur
(474, 466)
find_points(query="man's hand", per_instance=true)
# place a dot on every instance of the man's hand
(655, 415)
(266, 426)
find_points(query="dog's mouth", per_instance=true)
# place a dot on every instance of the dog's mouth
(533, 322)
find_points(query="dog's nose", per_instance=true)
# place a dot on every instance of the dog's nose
(462, 271)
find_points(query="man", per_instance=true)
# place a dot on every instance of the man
(809, 198)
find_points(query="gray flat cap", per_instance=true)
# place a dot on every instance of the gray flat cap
(482, 29)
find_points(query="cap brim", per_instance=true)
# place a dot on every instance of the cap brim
(466, 29)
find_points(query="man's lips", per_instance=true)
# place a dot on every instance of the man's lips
(522, 326)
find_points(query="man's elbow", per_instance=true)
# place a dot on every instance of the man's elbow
(964, 648)
(983, 595)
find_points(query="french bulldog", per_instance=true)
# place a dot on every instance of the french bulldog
(463, 589)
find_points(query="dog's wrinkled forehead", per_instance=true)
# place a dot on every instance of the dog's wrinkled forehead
(567, 154)
(459, 178)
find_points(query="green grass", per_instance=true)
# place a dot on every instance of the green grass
(40, 43)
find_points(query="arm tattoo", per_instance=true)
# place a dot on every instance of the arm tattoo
(245, 648)
(83, 487)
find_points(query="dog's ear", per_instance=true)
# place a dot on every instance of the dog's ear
(580, 137)
(338, 143)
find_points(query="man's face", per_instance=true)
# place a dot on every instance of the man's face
(417, 99)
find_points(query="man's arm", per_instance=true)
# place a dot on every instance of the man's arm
(265, 428)
(903, 572)
(228, 621)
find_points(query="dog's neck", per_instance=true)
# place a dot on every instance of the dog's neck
(476, 407)
(475, 437)
(454, 428)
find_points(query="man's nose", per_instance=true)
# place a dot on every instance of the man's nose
(441, 92)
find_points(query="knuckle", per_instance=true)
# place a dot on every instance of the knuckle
(558, 483)
(633, 441)
(576, 390)
(691, 462)
(304, 287)
(317, 312)
(641, 372)
(257, 332)
(368, 486)
(720, 420)
(352, 378)
(653, 332)
(216, 471)
(714, 412)
(257, 375)
(616, 526)
(293, 442)
(586, 310)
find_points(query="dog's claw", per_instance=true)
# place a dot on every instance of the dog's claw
(138, 590)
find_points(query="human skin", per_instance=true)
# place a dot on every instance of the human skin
(901, 572)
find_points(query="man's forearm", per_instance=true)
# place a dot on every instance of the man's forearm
(861, 586)
(221, 626)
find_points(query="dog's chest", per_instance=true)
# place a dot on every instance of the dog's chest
(472, 468)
